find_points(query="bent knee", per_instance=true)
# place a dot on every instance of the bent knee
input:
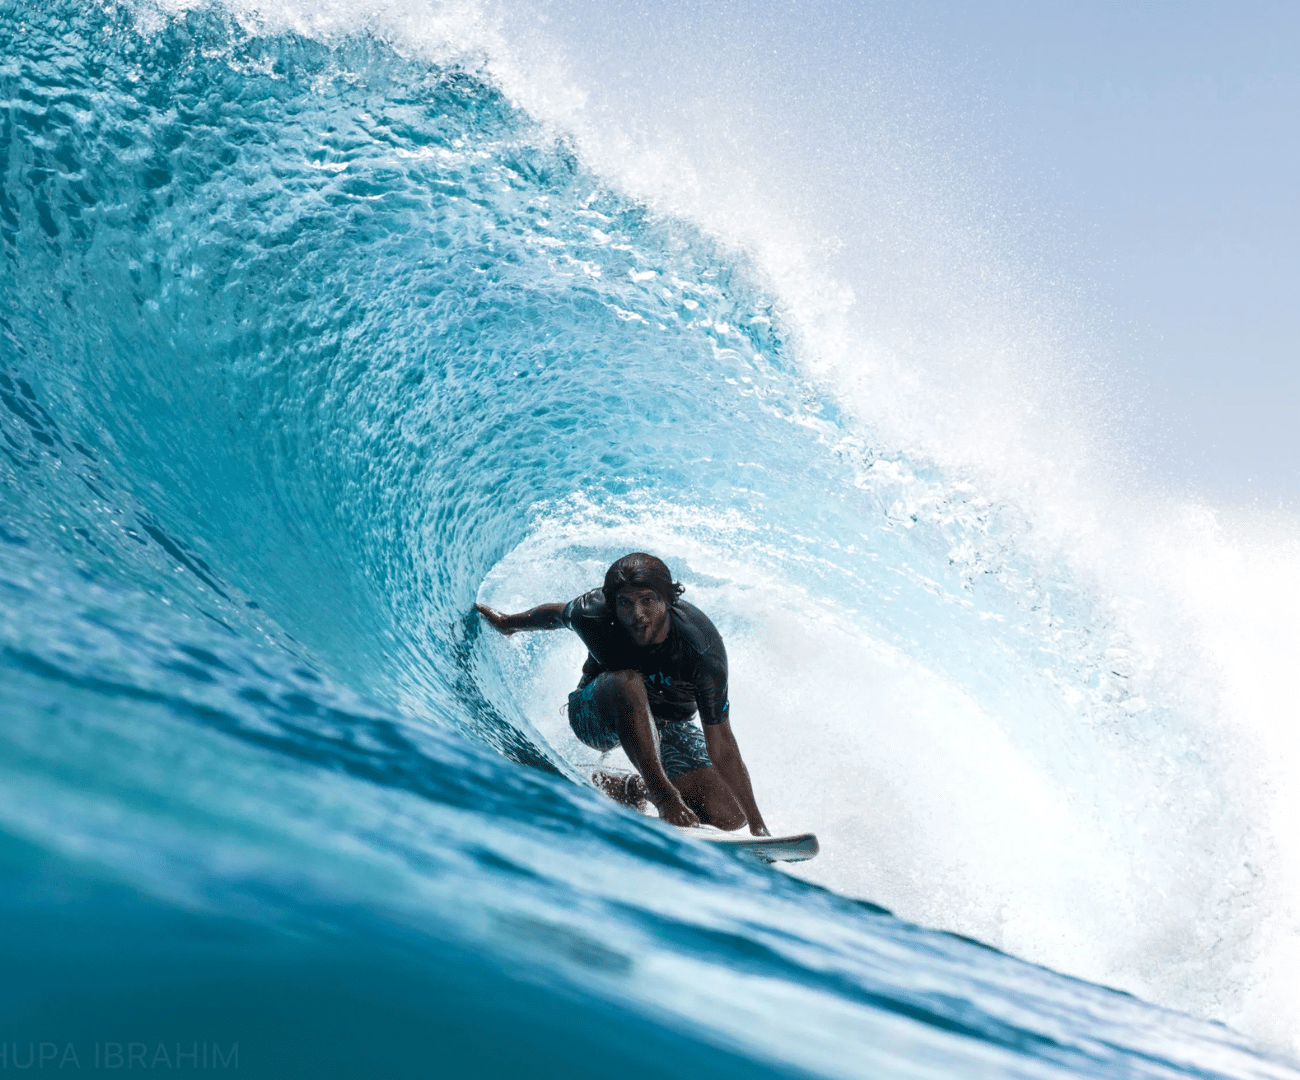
(625, 681)
(729, 819)
(709, 796)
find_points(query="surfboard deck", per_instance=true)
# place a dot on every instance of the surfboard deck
(798, 848)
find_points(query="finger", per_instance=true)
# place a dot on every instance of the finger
(494, 617)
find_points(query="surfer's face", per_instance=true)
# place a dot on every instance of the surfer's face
(642, 613)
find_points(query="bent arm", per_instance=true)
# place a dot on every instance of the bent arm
(542, 617)
(725, 754)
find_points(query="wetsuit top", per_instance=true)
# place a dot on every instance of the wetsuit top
(686, 669)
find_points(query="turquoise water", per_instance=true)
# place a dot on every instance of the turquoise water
(308, 345)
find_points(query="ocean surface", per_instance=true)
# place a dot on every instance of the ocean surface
(309, 339)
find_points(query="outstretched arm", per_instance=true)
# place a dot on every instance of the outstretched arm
(725, 754)
(542, 617)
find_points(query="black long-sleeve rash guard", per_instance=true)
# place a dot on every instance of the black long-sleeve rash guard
(687, 669)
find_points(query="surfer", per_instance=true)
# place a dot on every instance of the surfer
(653, 660)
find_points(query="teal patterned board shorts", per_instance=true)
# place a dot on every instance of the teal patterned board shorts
(681, 742)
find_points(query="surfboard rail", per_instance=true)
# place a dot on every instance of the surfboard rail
(799, 847)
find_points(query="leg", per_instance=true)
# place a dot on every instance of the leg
(621, 696)
(705, 792)
(685, 753)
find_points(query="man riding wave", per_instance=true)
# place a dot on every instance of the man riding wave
(653, 660)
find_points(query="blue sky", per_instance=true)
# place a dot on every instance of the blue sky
(1163, 138)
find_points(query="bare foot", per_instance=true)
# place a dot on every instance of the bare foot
(624, 788)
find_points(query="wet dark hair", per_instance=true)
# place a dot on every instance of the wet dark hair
(641, 571)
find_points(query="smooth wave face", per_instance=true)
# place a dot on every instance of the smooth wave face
(306, 346)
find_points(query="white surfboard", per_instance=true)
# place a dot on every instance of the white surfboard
(798, 848)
